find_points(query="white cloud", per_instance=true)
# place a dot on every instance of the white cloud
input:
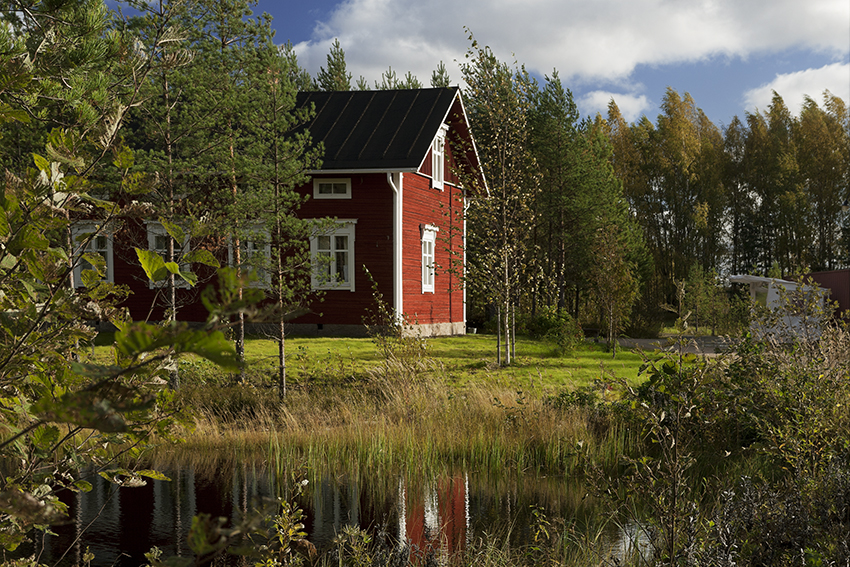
(631, 106)
(793, 87)
(585, 41)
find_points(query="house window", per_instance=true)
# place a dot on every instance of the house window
(438, 158)
(158, 240)
(255, 255)
(332, 251)
(332, 188)
(429, 239)
(93, 239)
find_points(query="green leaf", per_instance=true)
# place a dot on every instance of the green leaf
(155, 475)
(172, 267)
(175, 231)
(189, 277)
(97, 261)
(123, 157)
(8, 262)
(82, 486)
(45, 437)
(9, 113)
(139, 338)
(202, 257)
(28, 238)
(130, 478)
(41, 163)
(100, 408)
(90, 278)
(213, 346)
(153, 264)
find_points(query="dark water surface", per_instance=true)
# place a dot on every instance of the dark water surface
(119, 525)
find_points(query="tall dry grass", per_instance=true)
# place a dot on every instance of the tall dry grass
(388, 426)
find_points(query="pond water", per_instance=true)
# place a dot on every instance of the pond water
(119, 525)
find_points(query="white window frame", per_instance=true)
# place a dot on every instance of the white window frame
(429, 254)
(155, 229)
(322, 281)
(249, 248)
(85, 241)
(335, 184)
(438, 158)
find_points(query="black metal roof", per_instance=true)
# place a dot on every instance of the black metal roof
(377, 130)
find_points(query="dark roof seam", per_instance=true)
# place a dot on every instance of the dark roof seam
(437, 105)
(422, 125)
(308, 125)
(377, 126)
(400, 124)
(356, 124)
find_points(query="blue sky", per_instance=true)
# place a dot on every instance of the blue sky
(728, 54)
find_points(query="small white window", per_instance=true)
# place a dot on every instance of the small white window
(332, 252)
(332, 188)
(91, 238)
(429, 239)
(438, 158)
(158, 239)
(255, 255)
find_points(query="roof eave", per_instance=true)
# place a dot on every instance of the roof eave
(351, 171)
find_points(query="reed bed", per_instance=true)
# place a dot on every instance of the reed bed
(380, 427)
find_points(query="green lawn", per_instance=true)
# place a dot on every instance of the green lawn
(462, 360)
(459, 360)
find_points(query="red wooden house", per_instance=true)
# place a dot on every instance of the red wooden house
(390, 180)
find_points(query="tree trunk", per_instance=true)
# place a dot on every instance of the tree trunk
(499, 335)
(174, 374)
(237, 255)
(281, 356)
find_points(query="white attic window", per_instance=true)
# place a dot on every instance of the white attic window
(438, 158)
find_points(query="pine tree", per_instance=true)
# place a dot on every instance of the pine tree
(299, 76)
(336, 77)
(389, 80)
(276, 163)
(440, 77)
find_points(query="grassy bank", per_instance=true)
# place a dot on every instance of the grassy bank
(458, 410)
(749, 448)
(463, 360)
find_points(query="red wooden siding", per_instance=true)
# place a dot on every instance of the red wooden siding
(146, 303)
(838, 283)
(422, 206)
(372, 205)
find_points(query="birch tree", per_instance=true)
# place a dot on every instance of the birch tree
(615, 284)
(499, 103)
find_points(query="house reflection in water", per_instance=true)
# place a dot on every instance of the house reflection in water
(430, 518)
(120, 525)
(435, 518)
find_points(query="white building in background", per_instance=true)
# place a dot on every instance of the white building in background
(792, 309)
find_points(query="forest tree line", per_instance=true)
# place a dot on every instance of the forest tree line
(658, 200)
(685, 199)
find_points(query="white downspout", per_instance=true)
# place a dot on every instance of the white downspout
(398, 296)
(465, 249)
